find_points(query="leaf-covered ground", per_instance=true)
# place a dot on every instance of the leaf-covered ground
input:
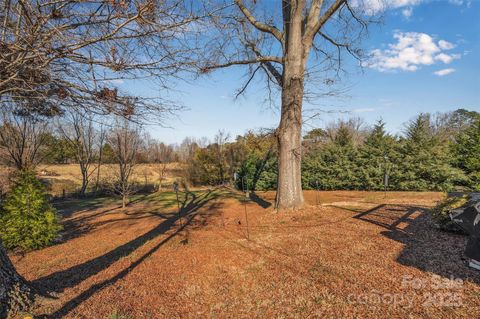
(347, 255)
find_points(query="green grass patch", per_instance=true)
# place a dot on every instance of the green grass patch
(119, 315)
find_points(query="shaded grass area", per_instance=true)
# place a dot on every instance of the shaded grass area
(71, 205)
(71, 277)
(89, 212)
(164, 199)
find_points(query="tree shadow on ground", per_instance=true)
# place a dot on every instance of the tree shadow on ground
(67, 207)
(77, 226)
(57, 282)
(426, 248)
(259, 201)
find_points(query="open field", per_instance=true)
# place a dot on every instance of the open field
(68, 178)
(355, 255)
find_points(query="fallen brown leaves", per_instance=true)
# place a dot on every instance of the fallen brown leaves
(317, 262)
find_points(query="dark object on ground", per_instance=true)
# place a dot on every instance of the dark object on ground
(468, 218)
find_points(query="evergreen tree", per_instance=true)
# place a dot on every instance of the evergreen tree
(57, 150)
(467, 154)
(108, 155)
(259, 172)
(333, 165)
(203, 167)
(425, 161)
(259, 167)
(28, 220)
(435, 153)
(377, 157)
(344, 137)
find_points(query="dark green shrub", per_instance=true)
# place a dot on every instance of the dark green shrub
(441, 212)
(28, 220)
(258, 173)
(466, 154)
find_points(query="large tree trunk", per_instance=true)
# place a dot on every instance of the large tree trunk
(15, 293)
(289, 133)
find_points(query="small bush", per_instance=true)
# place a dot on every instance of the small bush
(441, 212)
(28, 220)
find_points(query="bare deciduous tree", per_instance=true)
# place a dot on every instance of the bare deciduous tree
(22, 138)
(187, 148)
(102, 135)
(125, 141)
(58, 53)
(291, 42)
(78, 129)
(162, 172)
(160, 154)
(354, 127)
(220, 156)
(62, 53)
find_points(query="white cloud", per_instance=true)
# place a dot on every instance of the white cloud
(411, 51)
(445, 45)
(467, 3)
(372, 7)
(446, 58)
(407, 12)
(444, 72)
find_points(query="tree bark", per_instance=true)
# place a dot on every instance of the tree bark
(124, 200)
(15, 293)
(161, 176)
(85, 180)
(98, 167)
(289, 133)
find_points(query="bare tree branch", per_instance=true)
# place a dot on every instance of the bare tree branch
(50, 50)
(259, 25)
(327, 15)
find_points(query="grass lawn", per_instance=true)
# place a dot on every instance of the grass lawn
(354, 255)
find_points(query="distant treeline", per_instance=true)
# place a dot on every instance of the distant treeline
(435, 152)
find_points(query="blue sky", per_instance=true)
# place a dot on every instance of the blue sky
(426, 59)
